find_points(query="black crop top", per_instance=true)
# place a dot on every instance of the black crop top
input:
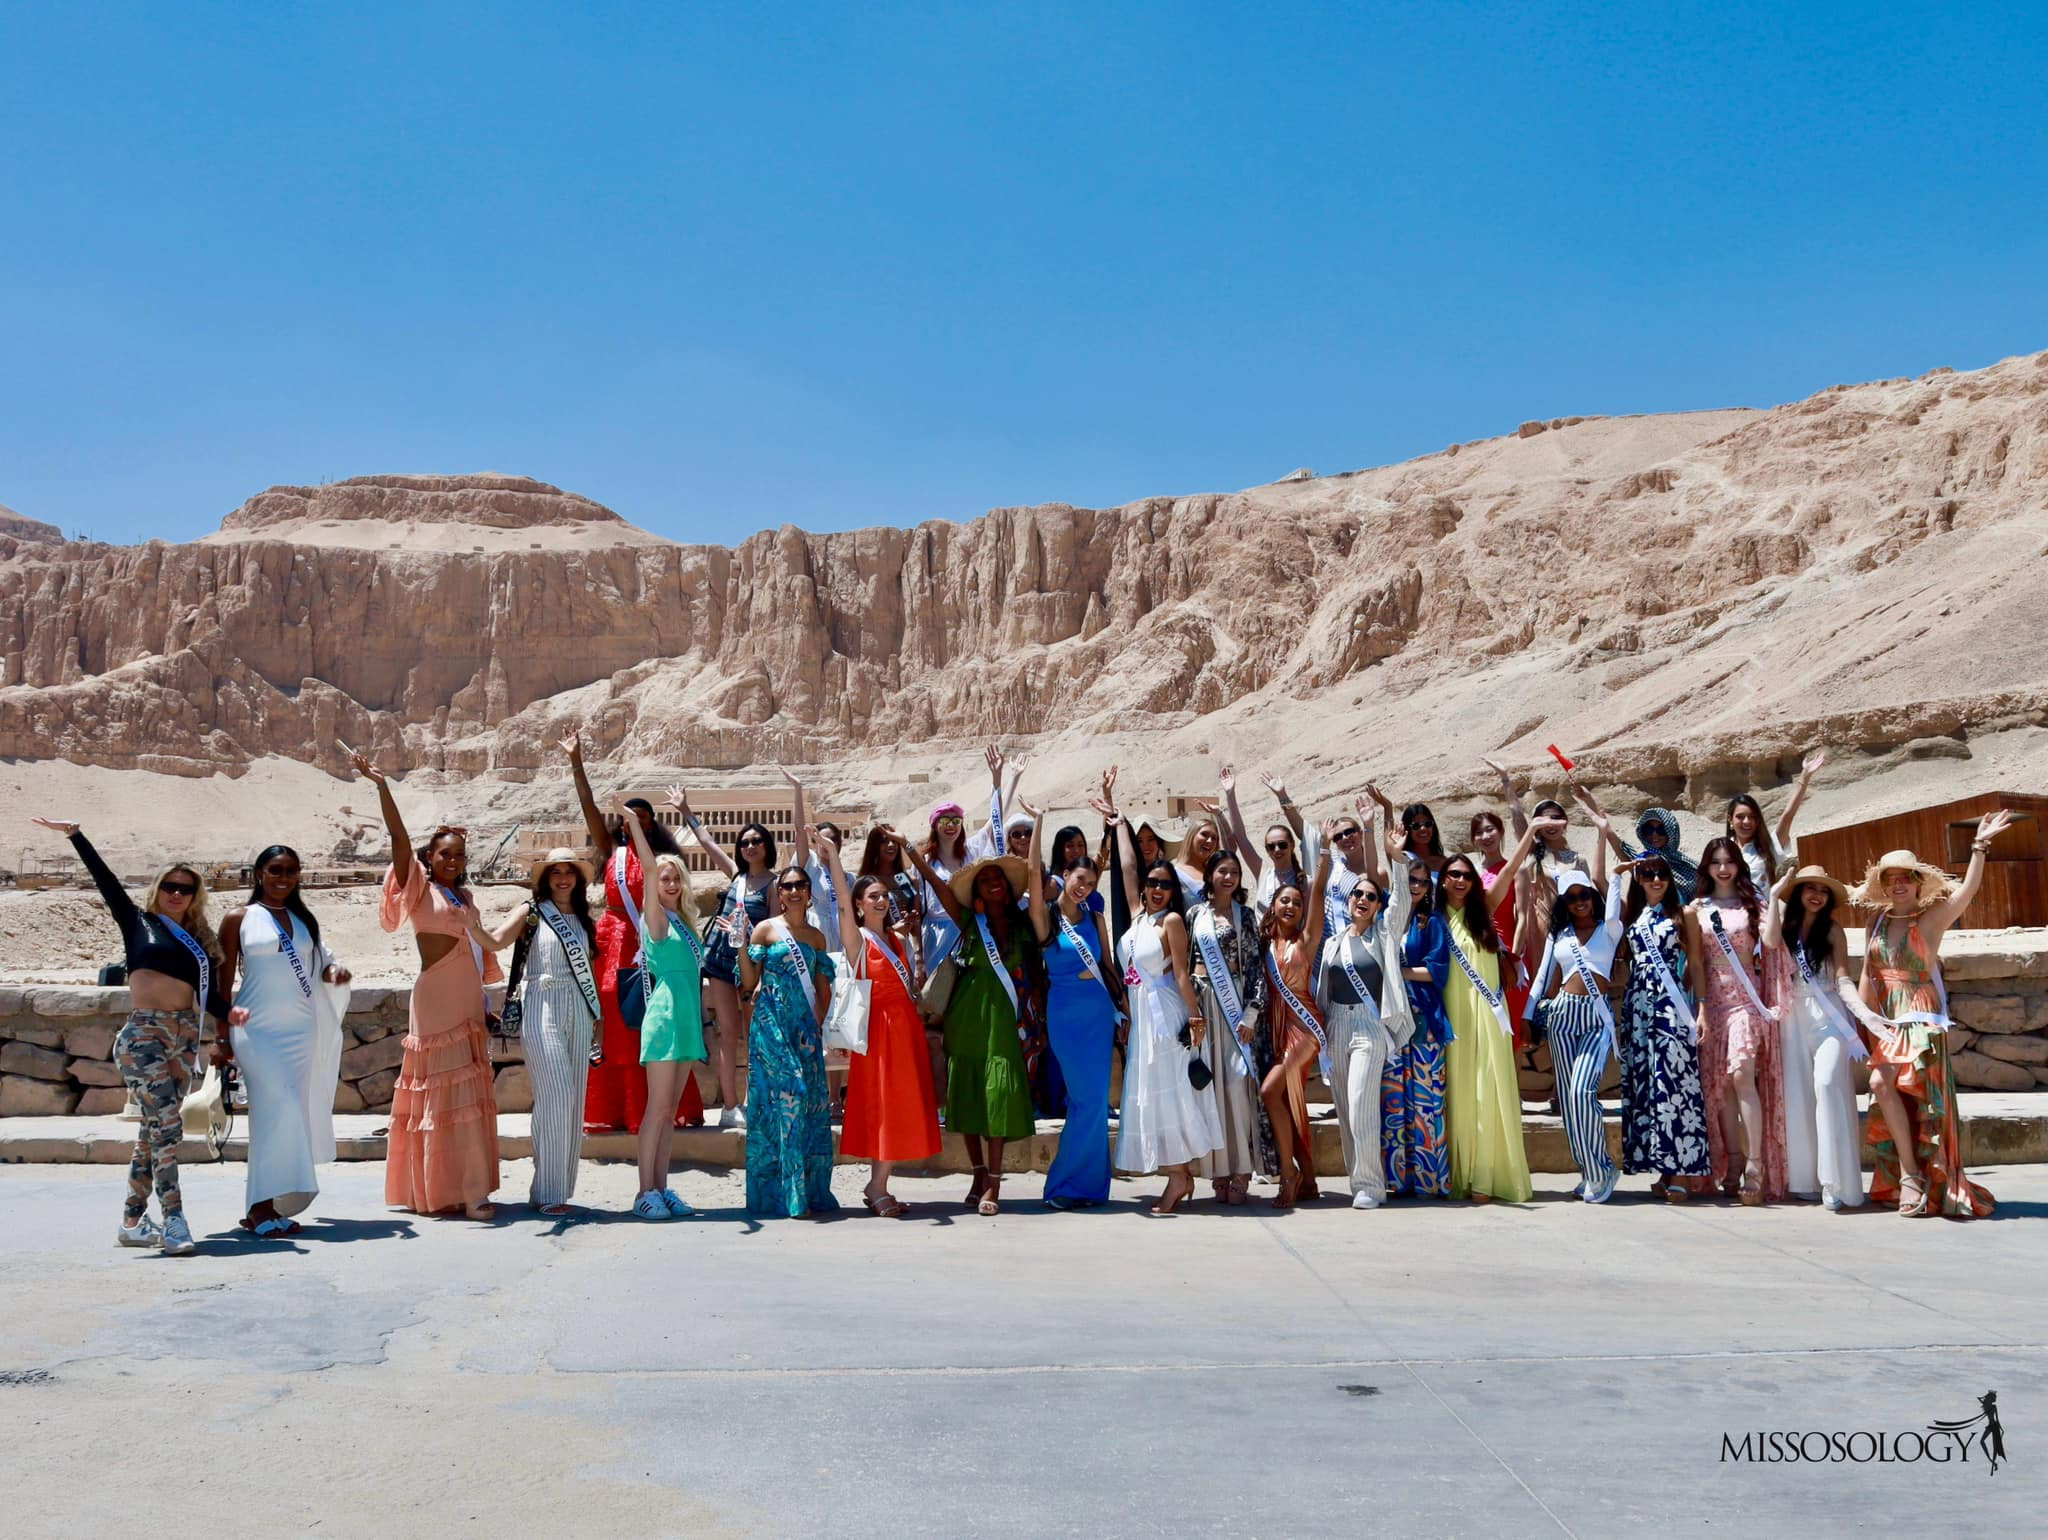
(146, 939)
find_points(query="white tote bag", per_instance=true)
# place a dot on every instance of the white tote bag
(846, 1018)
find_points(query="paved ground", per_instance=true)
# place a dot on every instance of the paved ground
(1453, 1370)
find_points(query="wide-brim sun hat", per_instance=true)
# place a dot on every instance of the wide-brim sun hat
(561, 855)
(1935, 884)
(1013, 867)
(1818, 875)
(1172, 834)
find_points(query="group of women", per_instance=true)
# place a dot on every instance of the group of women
(1011, 968)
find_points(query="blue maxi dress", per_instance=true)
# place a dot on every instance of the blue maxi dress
(1412, 1145)
(1081, 1024)
(789, 1106)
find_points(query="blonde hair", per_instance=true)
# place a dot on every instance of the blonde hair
(195, 921)
(686, 905)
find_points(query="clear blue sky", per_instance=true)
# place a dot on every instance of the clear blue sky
(724, 267)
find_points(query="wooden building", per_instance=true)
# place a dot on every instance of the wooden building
(2015, 890)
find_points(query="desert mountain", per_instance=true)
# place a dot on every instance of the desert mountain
(1685, 599)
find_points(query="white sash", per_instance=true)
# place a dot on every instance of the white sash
(290, 952)
(1596, 991)
(191, 944)
(995, 961)
(1741, 973)
(571, 938)
(1831, 1008)
(800, 968)
(1222, 985)
(1924, 1018)
(1649, 952)
(1496, 1000)
(895, 962)
(476, 950)
(625, 893)
(1093, 965)
(1301, 1012)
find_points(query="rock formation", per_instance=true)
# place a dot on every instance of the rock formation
(1686, 599)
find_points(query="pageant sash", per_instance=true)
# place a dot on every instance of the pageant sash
(1596, 991)
(995, 961)
(191, 944)
(476, 948)
(1091, 965)
(579, 959)
(1223, 986)
(288, 951)
(1301, 1012)
(1741, 973)
(895, 962)
(1495, 999)
(1829, 1007)
(1649, 952)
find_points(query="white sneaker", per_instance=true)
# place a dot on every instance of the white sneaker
(178, 1240)
(649, 1205)
(677, 1208)
(142, 1233)
(731, 1117)
(1364, 1200)
(1602, 1191)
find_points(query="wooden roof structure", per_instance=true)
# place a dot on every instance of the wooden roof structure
(2015, 890)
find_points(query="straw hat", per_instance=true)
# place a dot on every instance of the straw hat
(561, 855)
(1013, 867)
(1172, 834)
(1935, 884)
(1818, 876)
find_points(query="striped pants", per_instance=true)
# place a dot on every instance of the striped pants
(556, 1040)
(1578, 1056)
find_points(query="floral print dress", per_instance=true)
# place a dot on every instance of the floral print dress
(789, 1107)
(1663, 1109)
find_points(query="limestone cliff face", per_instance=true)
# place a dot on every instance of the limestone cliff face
(1667, 579)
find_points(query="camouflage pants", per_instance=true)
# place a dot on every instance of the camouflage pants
(155, 1052)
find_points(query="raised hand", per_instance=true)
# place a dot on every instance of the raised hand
(1993, 824)
(1496, 767)
(994, 756)
(1109, 814)
(785, 772)
(1108, 787)
(1811, 765)
(1373, 791)
(364, 766)
(1226, 779)
(62, 826)
(820, 837)
(1274, 784)
(1202, 805)
(1037, 814)
(1544, 826)
(571, 743)
(679, 800)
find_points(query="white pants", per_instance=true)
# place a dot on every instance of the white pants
(1823, 1152)
(556, 1038)
(1359, 1050)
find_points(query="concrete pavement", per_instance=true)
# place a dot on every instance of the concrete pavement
(1545, 1368)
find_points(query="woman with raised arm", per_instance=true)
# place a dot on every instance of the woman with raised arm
(443, 1149)
(1916, 1147)
(1414, 1147)
(988, 1092)
(1821, 1051)
(1763, 852)
(948, 850)
(1293, 934)
(1165, 1121)
(1482, 1094)
(1282, 842)
(789, 1103)
(1738, 1033)
(1191, 853)
(1656, 835)
(1489, 841)
(1570, 994)
(554, 979)
(1081, 1016)
(1663, 1107)
(748, 903)
(173, 978)
(289, 1050)
(615, 1093)
(824, 900)
(891, 1112)
(672, 1033)
(1223, 933)
(1363, 998)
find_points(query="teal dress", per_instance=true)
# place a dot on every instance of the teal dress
(987, 1090)
(673, 1029)
(789, 1106)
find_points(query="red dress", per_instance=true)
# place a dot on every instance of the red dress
(892, 1112)
(1511, 960)
(617, 1097)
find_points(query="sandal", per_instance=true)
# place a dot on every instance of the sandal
(1240, 1190)
(271, 1229)
(1661, 1187)
(554, 1210)
(482, 1213)
(1170, 1201)
(977, 1187)
(1913, 1197)
(1751, 1192)
(1288, 1194)
(991, 1198)
(1677, 1192)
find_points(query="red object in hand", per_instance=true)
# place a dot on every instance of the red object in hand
(1558, 756)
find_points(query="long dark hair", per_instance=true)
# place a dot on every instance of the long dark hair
(1409, 814)
(1817, 943)
(659, 839)
(1425, 905)
(1209, 872)
(767, 845)
(1176, 900)
(1745, 889)
(871, 855)
(1478, 917)
(1765, 846)
(1072, 831)
(1560, 914)
(1638, 898)
(579, 901)
(296, 900)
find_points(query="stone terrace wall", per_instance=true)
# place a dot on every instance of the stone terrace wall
(56, 1046)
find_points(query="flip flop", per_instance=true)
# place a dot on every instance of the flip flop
(273, 1229)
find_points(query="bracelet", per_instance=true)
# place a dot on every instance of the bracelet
(1980, 846)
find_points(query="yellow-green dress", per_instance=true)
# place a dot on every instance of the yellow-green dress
(1482, 1098)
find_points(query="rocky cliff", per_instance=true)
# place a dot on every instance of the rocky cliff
(1692, 596)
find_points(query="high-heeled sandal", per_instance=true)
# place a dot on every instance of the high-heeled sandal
(991, 1199)
(1913, 1197)
(976, 1187)
(1751, 1192)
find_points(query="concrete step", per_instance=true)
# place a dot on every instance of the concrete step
(1998, 1130)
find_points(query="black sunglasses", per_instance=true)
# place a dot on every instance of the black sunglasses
(1161, 882)
(1345, 834)
(1367, 894)
(1455, 877)
(794, 887)
(281, 871)
(751, 839)
(1279, 847)
(185, 889)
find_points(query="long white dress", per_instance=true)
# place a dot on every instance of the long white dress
(1164, 1120)
(1819, 1063)
(290, 1058)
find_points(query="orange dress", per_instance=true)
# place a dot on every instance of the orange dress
(1295, 961)
(443, 1150)
(892, 1111)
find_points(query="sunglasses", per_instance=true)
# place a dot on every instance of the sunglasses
(182, 889)
(794, 887)
(1345, 834)
(1456, 877)
(949, 818)
(1365, 896)
(1164, 883)
(1657, 874)
(1279, 847)
(1580, 898)
(752, 839)
(280, 871)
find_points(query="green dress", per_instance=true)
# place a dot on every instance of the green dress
(987, 1090)
(673, 1029)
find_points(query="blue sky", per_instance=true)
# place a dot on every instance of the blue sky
(726, 267)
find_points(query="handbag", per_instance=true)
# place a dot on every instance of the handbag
(206, 1110)
(846, 1019)
(512, 1019)
(632, 987)
(938, 989)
